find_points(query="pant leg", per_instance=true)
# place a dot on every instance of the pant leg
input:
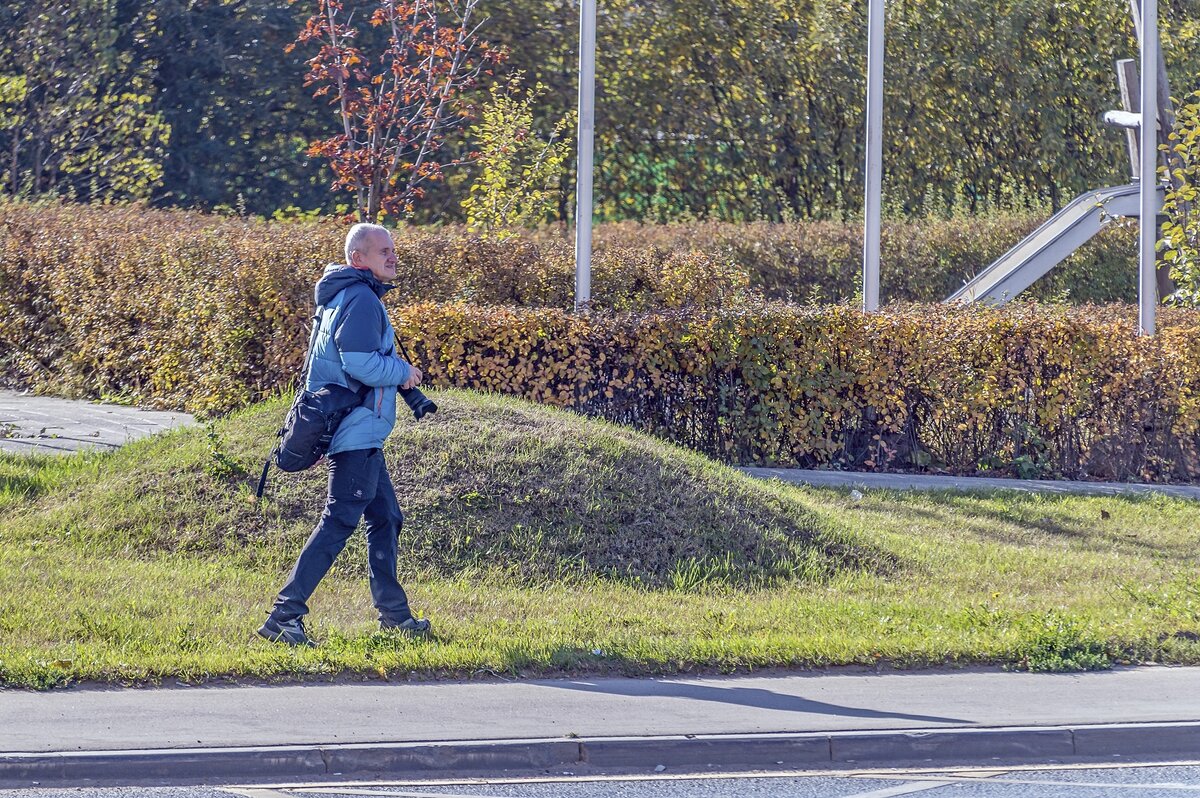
(384, 522)
(353, 482)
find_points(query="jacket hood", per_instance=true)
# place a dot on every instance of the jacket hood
(339, 276)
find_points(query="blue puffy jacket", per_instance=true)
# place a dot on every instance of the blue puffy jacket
(356, 346)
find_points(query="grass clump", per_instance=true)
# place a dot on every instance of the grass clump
(1057, 642)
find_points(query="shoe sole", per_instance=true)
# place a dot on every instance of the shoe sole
(278, 638)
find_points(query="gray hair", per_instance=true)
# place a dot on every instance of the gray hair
(356, 239)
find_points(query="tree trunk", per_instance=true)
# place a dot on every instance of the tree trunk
(37, 167)
(374, 203)
(15, 168)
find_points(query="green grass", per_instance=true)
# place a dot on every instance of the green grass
(541, 542)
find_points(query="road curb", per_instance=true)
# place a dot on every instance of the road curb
(1129, 742)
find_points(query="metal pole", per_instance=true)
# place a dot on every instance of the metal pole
(1148, 222)
(874, 167)
(583, 178)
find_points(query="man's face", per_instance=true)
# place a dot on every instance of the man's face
(378, 255)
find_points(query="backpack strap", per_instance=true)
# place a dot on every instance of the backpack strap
(301, 381)
(262, 481)
(312, 344)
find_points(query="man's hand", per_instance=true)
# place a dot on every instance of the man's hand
(414, 378)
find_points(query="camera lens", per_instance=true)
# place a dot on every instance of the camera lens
(418, 402)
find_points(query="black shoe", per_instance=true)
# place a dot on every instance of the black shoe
(291, 631)
(414, 627)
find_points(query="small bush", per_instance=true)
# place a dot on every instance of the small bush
(1056, 642)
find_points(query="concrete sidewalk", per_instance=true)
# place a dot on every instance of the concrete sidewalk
(77, 736)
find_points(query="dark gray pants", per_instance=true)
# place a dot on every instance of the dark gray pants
(359, 487)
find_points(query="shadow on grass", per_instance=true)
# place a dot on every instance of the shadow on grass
(24, 477)
(972, 516)
(25, 486)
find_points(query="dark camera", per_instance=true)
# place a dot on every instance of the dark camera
(417, 402)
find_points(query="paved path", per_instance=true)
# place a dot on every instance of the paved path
(595, 707)
(863, 480)
(808, 720)
(42, 424)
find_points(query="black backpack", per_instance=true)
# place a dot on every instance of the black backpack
(312, 420)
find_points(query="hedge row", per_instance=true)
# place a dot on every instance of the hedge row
(1029, 390)
(923, 261)
(188, 311)
(173, 309)
(636, 267)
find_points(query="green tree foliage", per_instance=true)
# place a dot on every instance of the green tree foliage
(726, 109)
(1181, 231)
(518, 171)
(191, 102)
(240, 119)
(739, 109)
(76, 108)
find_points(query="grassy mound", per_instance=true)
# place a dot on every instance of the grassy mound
(488, 484)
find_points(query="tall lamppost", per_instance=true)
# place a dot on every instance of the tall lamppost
(583, 164)
(1148, 221)
(874, 167)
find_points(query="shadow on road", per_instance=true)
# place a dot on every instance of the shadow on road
(740, 696)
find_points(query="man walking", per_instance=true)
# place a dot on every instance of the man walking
(355, 348)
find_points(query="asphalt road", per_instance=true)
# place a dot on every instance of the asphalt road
(1054, 781)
